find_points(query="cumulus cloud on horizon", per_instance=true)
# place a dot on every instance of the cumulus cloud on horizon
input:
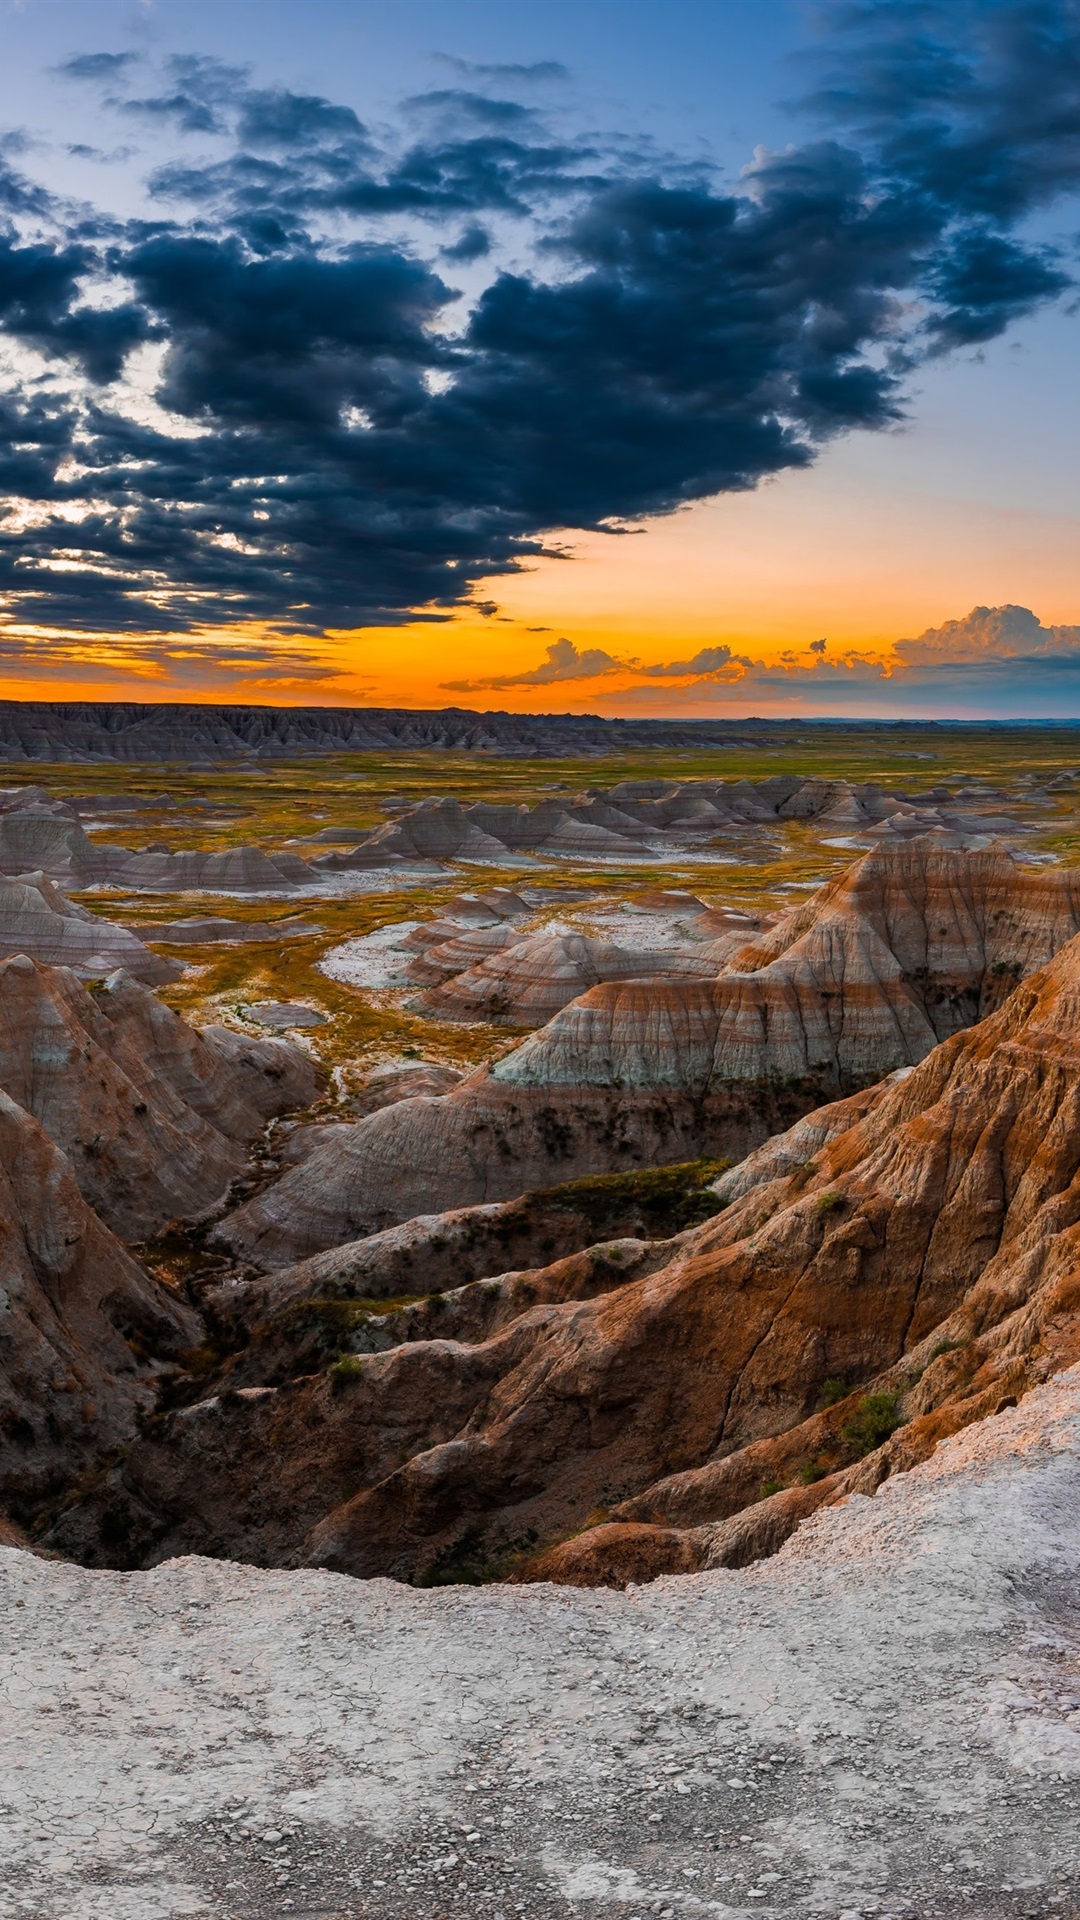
(563, 662)
(993, 655)
(1000, 661)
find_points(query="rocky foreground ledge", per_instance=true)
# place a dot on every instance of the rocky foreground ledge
(884, 1719)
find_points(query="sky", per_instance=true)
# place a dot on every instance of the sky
(713, 358)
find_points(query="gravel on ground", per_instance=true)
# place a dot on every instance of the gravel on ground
(882, 1720)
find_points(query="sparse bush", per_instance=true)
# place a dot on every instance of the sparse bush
(349, 1367)
(769, 1487)
(436, 1301)
(814, 1470)
(945, 1346)
(831, 1202)
(832, 1392)
(874, 1420)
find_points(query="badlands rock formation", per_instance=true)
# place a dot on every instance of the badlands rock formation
(628, 823)
(39, 833)
(208, 932)
(116, 1118)
(907, 946)
(78, 1318)
(445, 1250)
(37, 920)
(521, 980)
(650, 1407)
(154, 1116)
(50, 730)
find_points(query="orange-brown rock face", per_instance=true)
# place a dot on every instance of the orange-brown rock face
(905, 948)
(154, 1116)
(657, 1407)
(77, 1315)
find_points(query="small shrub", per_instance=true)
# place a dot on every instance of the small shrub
(349, 1367)
(876, 1417)
(945, 1346)
(832, 1392)
(814, 1470)
(769, 1487)
(436, 1301)
(827, 1203)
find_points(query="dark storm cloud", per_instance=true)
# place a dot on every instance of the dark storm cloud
(514, 70)
(199, 98)
(288, 341)
(95, 66)
(474, 243)
(973, 103)
(39, 304)
(985, 281)
(432, 178)
(355, 443)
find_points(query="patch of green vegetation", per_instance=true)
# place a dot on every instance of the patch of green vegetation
(664, 1200)
(769, 1487)
(832, 1392)
(348, 1368)
(875, 1420)
(945, 1346)
(470, 1561)
(814, 1470)
(830, 1202)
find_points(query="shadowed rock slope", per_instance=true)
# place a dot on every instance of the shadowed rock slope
(37, 920)
(649, 1407)
(78, 1317)
(116, 1118)
(154, 1116)
(907, 946)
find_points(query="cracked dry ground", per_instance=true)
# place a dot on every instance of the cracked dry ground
(883, 1719)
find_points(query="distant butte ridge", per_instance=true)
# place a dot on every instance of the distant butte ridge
(64, 730)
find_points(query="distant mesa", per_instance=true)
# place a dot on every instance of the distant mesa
(201, 737)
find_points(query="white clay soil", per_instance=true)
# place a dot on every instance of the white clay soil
(882, 1720)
